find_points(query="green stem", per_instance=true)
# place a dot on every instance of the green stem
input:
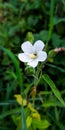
(50, 22)
(38, 74)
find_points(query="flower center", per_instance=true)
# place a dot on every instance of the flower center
(33, 56)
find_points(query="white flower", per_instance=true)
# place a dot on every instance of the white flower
(32, 53)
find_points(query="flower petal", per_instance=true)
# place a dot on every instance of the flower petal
(24, 57)
(42, 56)
(38, 46)
(27, 47)
(33, 63)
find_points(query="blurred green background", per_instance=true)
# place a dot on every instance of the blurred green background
(22, 20)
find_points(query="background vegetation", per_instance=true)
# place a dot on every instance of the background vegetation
(22, 20)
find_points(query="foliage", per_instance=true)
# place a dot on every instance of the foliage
(22, 20)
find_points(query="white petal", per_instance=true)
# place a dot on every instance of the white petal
(23, 57)
(33, 63)
(27, 47)
(42, 56)
(38, 46)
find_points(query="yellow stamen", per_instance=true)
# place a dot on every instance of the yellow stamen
(33, 56)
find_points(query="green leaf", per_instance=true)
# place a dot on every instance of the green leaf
(42, 124)
(10, 112)
(17, 67)
(58, 20)
(24, 127)
(52, 104)
(43, 35)
(29, 121)
(54, 89)
(56, 40)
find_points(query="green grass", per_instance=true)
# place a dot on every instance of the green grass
(23, 20)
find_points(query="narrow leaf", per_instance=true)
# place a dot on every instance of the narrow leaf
(17, 67)
(52, 104)
(10, 112)
(24, 127)
(54, 89)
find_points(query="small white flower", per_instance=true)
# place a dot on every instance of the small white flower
(32, 53)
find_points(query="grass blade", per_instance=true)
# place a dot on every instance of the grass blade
(24, 127)
(17, 67)
(54, 89)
